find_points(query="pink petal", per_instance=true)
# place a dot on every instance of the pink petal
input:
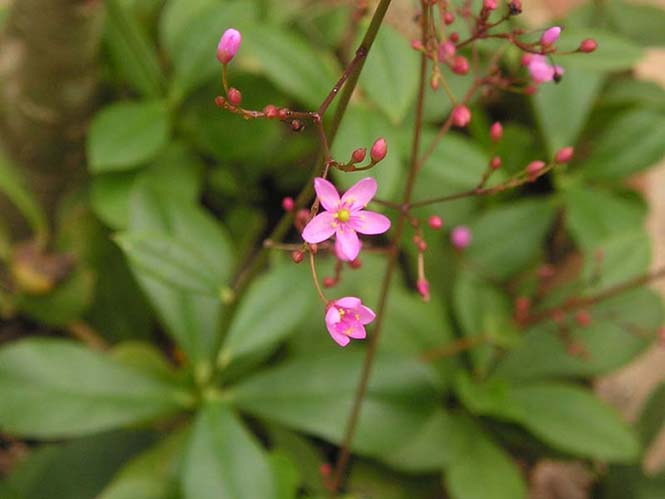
(366, 314)
(348, 242)
(368, 222)
(341, 339)
(327, 194)
(320, 228)
(357, 197)
(357, 332)
(332, 317)
(338, 251)
(348, 302)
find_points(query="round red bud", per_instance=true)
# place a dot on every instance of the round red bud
(461, 116)
(496, 131)
(515, 7)
(283, 113)
(460, 65)
(449, 18)
(495, 163)
(587, 46)
(234, 95)
(435, 222)
(583, 318)
(417, 44)
(534, 168)
(297, 256)
(288, 204)
(329, 282)
(564, 155)
(454, 37)
(358, 155)
(270, 111)
(422, 246)
(379, 150)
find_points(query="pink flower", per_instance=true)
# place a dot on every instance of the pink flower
(228, 45)
(344, 217)
(461, 237)
(540, 70)
(346, 318)
(550, 36)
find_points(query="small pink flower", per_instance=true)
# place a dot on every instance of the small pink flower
(540, 70)
(345, 217)
(550, 36)
(461, 237)
(228, 45)
(346, 318)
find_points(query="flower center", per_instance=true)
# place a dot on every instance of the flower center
(343, 215)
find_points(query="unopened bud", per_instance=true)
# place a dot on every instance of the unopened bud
(460, 65)
(534, 168)
(297, 256)
(417, 45)
(379, 150)
(495, 163)
(220, 101)
(550, 36)
(496, 131)
(515, 7)
(423, 289)
(422, 246)
(454, 37)
(435, 222)
(228, 45)
(449, 18)
(288, 204)
(522, 307)
(270, 111)
(564, 155)
(446, 51)
(329, 282)
(301, 219)
(358, 156)
(461, 116)
(234, 95)
(489, 4)
(460, 237)
(356, 264)
(583, 318)
(587, 46)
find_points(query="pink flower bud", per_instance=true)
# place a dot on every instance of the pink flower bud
(235, 97)
(358, 155)
(421, 245)
(270, 111)
(564, 155)
(417, 44)
(521, 308)
(379, 150)
(533, 169)
(449, 18)
(489, 4)
(496, 132)
(454, 37)
(461, 116)
(288, 204)
(446, 51)
(515, 7)
(460, 237)
(495, 163)
(526, 59)
(329, 282)
(587, 46)
(356, 264)
(297, 256)
(583, 318)
(460, 65)
(435, 222)
(228, 45)
(423, 289)
(550, 36)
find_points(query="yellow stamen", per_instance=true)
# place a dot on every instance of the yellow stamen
(343, 215)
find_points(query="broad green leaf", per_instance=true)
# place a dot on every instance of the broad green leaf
(594, 215)
(401, 396)
(506, 238)
(368, 480)
(56, 388)
(125, 134)
(109, 196)
(144, 357)
(67, 302)
(614, 52)
(480, 469)
(175, 19)
(75, 470)
(5, 491)
(652, 417)
(286, 475)
(489, 397)
(151, 475)
(360, 128)
(628, 91)
(223, 460)
(273, 307)
(562, 110)
(631, 143)
(291, 63)
(193, 320)
(131, 50)
(573, 420)
(638, 22)
(390, 75)
(14, 188)
(621, 329)
(622, 481)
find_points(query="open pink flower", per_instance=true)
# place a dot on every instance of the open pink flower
(344, 217)
(540, 70)
(346, 318)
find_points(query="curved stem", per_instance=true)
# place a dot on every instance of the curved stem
(315, 277)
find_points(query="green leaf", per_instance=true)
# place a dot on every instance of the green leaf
(223, 460)
(175, 19)
(14, 187)
(562, 110)
(614, 52)
(632, 142)
(126, 134)
(489, 397)
(55, 388)
(151, 475)
(480, 469)
(652, 417)
(494, 251)
(144, 357)
(273, 307)
(67, 302)
(640, 23)
(594, 215)
(401, 397)
(360, 128)
(368, 480)
(286, 476)
(192, 320)
(131, 51)
(290, 62)
(75, 470)
(390, 75)
(571, 419)
(621, 329)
